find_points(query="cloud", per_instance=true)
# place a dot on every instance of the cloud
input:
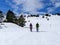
(54, 1)
(14, 6)
(57, 4)
(50, 10)
(30, 6)
(18, 2)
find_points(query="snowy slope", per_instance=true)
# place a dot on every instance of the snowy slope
(49, 32)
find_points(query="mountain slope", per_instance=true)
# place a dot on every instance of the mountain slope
(49, 32)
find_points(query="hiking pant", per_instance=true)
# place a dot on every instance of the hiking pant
(37, 29)
(31, 30)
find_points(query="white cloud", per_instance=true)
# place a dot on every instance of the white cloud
(13, 6)
(28, 5)
(54, 1)
(41, 12)
(50, 10)
(57, 4)
(18, 2)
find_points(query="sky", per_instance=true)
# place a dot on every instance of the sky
(30, 6)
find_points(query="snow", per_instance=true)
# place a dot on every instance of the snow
(49, 32)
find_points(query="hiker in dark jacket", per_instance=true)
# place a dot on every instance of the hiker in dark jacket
(31, 27)
(37, 27)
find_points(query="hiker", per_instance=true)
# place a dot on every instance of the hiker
(31, 27)
(37, 27)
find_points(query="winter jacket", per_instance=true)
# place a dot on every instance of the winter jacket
(30, 26)
(37, 25)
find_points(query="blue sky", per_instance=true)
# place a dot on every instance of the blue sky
(30, 6)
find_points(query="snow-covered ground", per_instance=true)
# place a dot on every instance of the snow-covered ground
(49, 32)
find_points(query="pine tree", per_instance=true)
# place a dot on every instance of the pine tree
(10, 16)
(21, 21)
(1, 16)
